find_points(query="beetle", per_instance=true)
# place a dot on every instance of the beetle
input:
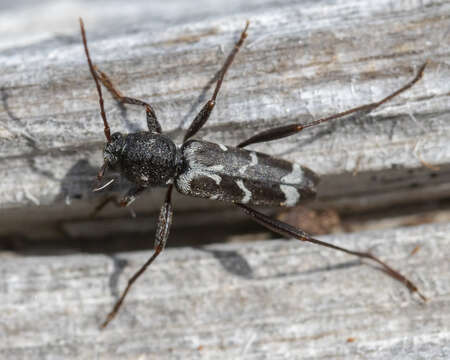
(204, 169)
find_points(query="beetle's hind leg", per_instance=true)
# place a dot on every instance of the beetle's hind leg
(152, 121)
(290, 231)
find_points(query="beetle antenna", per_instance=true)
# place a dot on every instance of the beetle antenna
(99, 89)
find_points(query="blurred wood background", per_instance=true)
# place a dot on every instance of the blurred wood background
(302, 60)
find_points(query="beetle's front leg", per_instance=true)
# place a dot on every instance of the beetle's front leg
(130, 196)
(123, 202)
(152, 121)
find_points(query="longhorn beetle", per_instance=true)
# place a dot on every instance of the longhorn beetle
(214, 171)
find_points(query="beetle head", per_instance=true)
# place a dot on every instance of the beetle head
(113, 150)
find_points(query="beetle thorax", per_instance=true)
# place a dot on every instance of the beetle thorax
(143, 158)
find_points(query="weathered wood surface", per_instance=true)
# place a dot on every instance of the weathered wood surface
(300, 62)
(265, 300)
(274, 300)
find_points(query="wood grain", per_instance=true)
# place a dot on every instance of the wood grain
(299, 63)
(277, 300)
(261, 300)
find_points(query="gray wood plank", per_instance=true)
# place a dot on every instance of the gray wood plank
(264, 300)
(301, 61)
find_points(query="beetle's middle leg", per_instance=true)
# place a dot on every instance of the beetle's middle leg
(288, 130)
(162, 234)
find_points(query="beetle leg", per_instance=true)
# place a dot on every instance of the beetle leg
(288, 130)
(124, 202)
(162, 234)
(290, 231)
(206, 110)
(130, 196)
(152, 121)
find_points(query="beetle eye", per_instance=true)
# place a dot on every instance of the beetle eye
(116, 136)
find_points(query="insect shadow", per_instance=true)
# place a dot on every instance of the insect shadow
(233, 262)
(78, 181)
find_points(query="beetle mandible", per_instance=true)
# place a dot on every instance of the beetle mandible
(215, 171)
